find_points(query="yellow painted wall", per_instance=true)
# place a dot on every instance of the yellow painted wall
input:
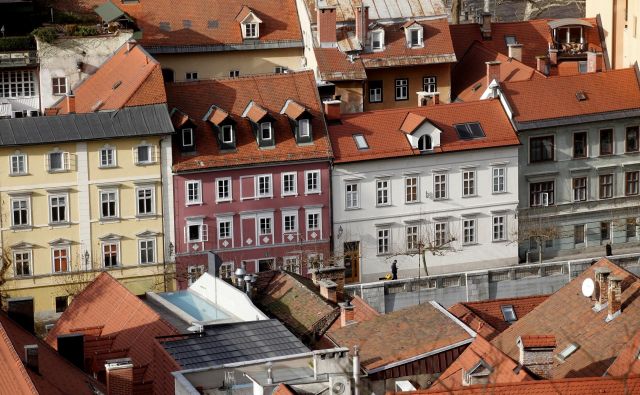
(622, 36)
(218, 64)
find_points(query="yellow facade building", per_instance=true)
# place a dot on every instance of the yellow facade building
(619, 19)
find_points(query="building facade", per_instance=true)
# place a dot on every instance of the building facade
(19, 86)
(621, 31)
(423, 193)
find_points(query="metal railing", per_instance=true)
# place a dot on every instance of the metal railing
(18, 58)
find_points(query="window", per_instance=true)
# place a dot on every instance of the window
(580, 189)
(566, 353)
(17, 83)
(107, 157)
(383, 241)
(361, 141)
(541, 149)
(440, 186)
(194, 273)
(224, 229)
(510, 39)
(22, 262)
(440, 235)
(631, 141)
(292, 264)
(146, 201)
(377, 38)
(631, 182)
(430, 84)
(234, 73)
(196, 231)
(61, 261)
(605, 231)
(375, 91)
(352, 195)
(541, 193)
(415, 37)
(147, 251)
(280, 70)
(265, 130)
(62, 302)
(290, 221)
(469, 231)
(469, 130)
(59, 86)
(468, 183)
(508, 313)
(58, 209)
(412, 238)
(582, 66)
(304, 128)
(264, 186)
(606, 186)
(606, 142)
(110, 255)
(499, 179)
(578, 234)
(631, 227)
(312, 184)
(20, 211)
(499, 228)
(191, 76)
(223, 189)
(580, 145)
(402, 89)
(227, 134)
(411, 189)
(108, 204)
(250, 30)
(193, 192)
(313, 220)
(187, 137)
(424, 143)
(265, 226)
(58, 161)
(18, 164)
(144, 155)
(382, 192)
(226, 270)
(289, 184)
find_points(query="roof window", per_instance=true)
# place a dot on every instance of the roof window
(508, 313)
(581, 96)
(470, 130)
(510, 39)
(566, 353)
(165, 26)
(361, 141)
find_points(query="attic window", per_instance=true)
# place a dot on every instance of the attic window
(508, 313)
(265, 130)
(165, 26)
(377, 40)
(251, 30)
(477, 86)
(581, 96)
(361, 141)
(566, 353)
(510, 40)
(470, 130)
(186, 23)
(415, 36)
(227, 134)
(424, 143)
(212, 24)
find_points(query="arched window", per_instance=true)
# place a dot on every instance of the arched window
(424, 143)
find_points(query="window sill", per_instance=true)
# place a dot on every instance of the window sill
(22, 276)
(475, 243)
(224, 201)
(18, 174)
(108, 167)
(187, 204)
(145, 163)
(295, 194)
(499, 241)
(384, 205)
(384, 254)
(109, 219)
(17, 228)
(352, 208)
(50, 171)
(469, 196)
(146, 216)
(312, 193)
(64, 224)
(413, 202)
(405, 99)
(440, 199)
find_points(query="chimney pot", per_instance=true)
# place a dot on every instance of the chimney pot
(542, 64)
(70, 103)
(536, 353)
(327, 26)
(553, 56)
(328, 290)
(493, 72)
(119, 376)
(347, 314)
(615, 297)
(515, 51)
(31, 358)
(362, 23)
(332, 109)
(601, 288)
(594, 62)
(486, 26)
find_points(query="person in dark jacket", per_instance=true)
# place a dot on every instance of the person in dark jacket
(394, 270)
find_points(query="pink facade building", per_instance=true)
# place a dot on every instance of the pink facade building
(252, 184)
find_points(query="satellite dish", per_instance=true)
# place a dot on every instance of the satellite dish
(587, 287)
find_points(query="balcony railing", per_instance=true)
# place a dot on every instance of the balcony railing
(18, 58)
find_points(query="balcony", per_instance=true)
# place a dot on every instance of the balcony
(24, 58)
(570, 37)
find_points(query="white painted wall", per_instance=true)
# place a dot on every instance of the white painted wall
(360, 224)
(307, 37)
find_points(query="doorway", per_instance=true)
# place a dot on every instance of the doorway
(352, 261)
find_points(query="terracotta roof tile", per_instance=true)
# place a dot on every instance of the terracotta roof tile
(538, 341)
(555, 97)
(628, 361)
(217, 115)
(412, 122)
(14, 378)
(233, 95)
(400, 335)
(334, 65)
(362, 311)
(293, 110)
(382, 131)
(123, 316)
(569, 317)
(255, 112)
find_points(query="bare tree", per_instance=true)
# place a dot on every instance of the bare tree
(534, 9)
(535, 231)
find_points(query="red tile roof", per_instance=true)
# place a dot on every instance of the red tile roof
(555, 97)
(486, 317)
(362, 311)
(121, 321)
(55, 374)
(574, 386)
(628, 361)
(503, 369)
(538, 341)
(569, 317)
(334, 65)
(398, 336)
(128, 78)
(233, 95)
(382, 131)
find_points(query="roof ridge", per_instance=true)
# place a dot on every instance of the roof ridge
(412, 109)
(258, 76)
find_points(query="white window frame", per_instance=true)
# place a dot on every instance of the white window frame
(251, 30)
(499, 228)
(313, 212)
(109, 164)
(191, 269)
(153, 251)
(268, 219)
(224, 220)
(103, 192)
(153, 199)
(283, 177)
(229, 187)
(383, 234)
(375, 95)
(9, 88)
(413, 237)
(304, 127)
(403, 85)
(419, 31)
(151, 152)
(64, 158)
(53, 258)
(203, 231)
(59, 196)
(440, 179)
(187, 131)
(352, 195)
(415, 186)
(293, 261)
(191, 76)
(574, 190)
(266, 126)
(289, 213)
(496, 177)
(29, 261)
(469, 183)
(422, 143)
(226, 269)
(27, 200)
(268, 194)
(471, 225)
(61, 84)
(307, 177)
(380, 39)
(440, 231)
(196, 199)
(115, 243)
(234, 73)
(430, 83)
(383, 185)
(230, 129)
(21, 159)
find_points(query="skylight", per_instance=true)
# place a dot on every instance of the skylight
(581, 96)
(470, 130)
(361, 141)
(212, 24)
(566, 353)
(508, 313)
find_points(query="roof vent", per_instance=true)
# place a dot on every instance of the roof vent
(186, 23)
(212, 24)
(581, 96)
(116, 85)
(165, 26)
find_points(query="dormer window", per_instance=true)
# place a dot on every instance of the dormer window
(304, 128)
(377, 40)
(227, 134)
(424, 143)
(265, 131)
(249, 23)
(250, 30)
(187, 138)
(416, 38)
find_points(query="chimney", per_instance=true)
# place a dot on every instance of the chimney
(542, 64)
(130, 45)
(332, 110)
(362, 23)
(553, 56)
(328, 290)
(347, 313)
(493, 72)
(615, 297)
(594, 62)
(601, 288)
(327, 26)
(436, 98)
(20, 310)
(31, 357)
(515, 51)
(70, 103)
(119, 376)
(536, 353)
(486, 26)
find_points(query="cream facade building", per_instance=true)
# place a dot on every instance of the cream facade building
(81, 194)
(619, 19)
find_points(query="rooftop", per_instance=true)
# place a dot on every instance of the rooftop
(380, 9)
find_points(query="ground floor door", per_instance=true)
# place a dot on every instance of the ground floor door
(352, 261)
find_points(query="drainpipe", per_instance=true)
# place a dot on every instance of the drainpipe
(356, 370)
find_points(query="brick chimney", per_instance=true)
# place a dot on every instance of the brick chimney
(493, 71)
(327, 26)
(426, 99)
(332, 109)
(601, 288)
(70, 103)
(333, 273)
(347, 314)
(594, 62)
(119, 376)
(515, 51)
(542, 64)
(615, 297)
(536, 353)
(486, 26)
(362, 23)
(328, 290)
(553, 56)
(31, 359)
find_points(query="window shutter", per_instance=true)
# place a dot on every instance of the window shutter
(66, 161)
(420, 42)
(134, 152)
(205, 232)
(47, 164)
(186, 229)
(154, 151)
